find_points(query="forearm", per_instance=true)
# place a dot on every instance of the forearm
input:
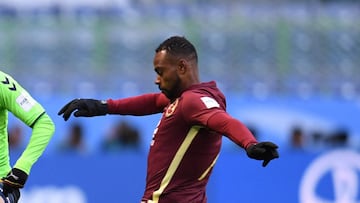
(139, 105)
(42, 132)
(4, 155)
(232, 128)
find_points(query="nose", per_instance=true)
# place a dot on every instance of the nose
(157, 80)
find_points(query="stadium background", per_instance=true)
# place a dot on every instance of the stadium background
(280, 64)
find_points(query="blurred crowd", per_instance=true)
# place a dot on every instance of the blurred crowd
(301, 49)
(125, 136)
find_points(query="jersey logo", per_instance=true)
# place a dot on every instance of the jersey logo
(210, 102)
(14, 176)
(25, 101)
(171, 108)
(12, 86)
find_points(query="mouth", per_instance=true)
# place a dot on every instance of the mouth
(163, 91)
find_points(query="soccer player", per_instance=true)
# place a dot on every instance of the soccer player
(15, 99)
(187, 140)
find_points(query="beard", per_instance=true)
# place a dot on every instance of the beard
(173, 92)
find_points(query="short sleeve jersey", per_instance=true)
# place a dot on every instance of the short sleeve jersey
(14, 99)
(183, 151)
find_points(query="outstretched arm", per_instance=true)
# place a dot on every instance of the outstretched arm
(140, 105)
(137, 106)
(236, 131)
(241, 135)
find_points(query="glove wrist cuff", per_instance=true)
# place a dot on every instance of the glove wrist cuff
(16, 178)
(250, 144)
(103, 107)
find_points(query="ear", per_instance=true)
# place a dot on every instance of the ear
(182, 66)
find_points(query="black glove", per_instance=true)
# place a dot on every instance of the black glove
(266, 151)
(85, 108)
(12, 197)
(15, 180)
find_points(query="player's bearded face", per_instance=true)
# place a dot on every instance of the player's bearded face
(171, 87)
(167, 79)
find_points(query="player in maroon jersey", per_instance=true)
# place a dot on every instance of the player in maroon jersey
(187, 140)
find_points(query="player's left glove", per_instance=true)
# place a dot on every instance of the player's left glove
(15, 180)
(266, 151)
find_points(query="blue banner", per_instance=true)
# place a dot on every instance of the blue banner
(297, 176)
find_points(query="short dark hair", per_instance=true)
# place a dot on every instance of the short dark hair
(178, 46)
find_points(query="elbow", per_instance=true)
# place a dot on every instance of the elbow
(46, 124)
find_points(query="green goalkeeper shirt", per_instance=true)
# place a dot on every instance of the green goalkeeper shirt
(15, 99)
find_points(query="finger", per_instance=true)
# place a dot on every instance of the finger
(67, 113)
(265, 162)
(66, 117)
(64, 108)
(274, 155)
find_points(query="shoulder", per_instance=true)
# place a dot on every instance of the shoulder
(4, 76)
(198, 100)
(7, 84)
(198, 106)
(7, 81)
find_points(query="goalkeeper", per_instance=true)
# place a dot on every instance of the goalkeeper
(15, 99)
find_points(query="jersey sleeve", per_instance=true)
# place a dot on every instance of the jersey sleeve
(15, 99)
(138, 105)
(18, 101)
(206, 111)
(42, 132)
(232, 128)
(197, 108)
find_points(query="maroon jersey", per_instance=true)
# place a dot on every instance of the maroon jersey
(186, 141)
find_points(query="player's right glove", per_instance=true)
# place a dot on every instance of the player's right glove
(15, 180)
(265, 151)
(12, 197)
(84, 108)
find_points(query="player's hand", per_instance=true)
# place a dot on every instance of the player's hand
(15, 180)
(12, 197)
(84, 108)
(266, 151)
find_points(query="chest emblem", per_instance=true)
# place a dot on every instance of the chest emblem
(171, 108)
